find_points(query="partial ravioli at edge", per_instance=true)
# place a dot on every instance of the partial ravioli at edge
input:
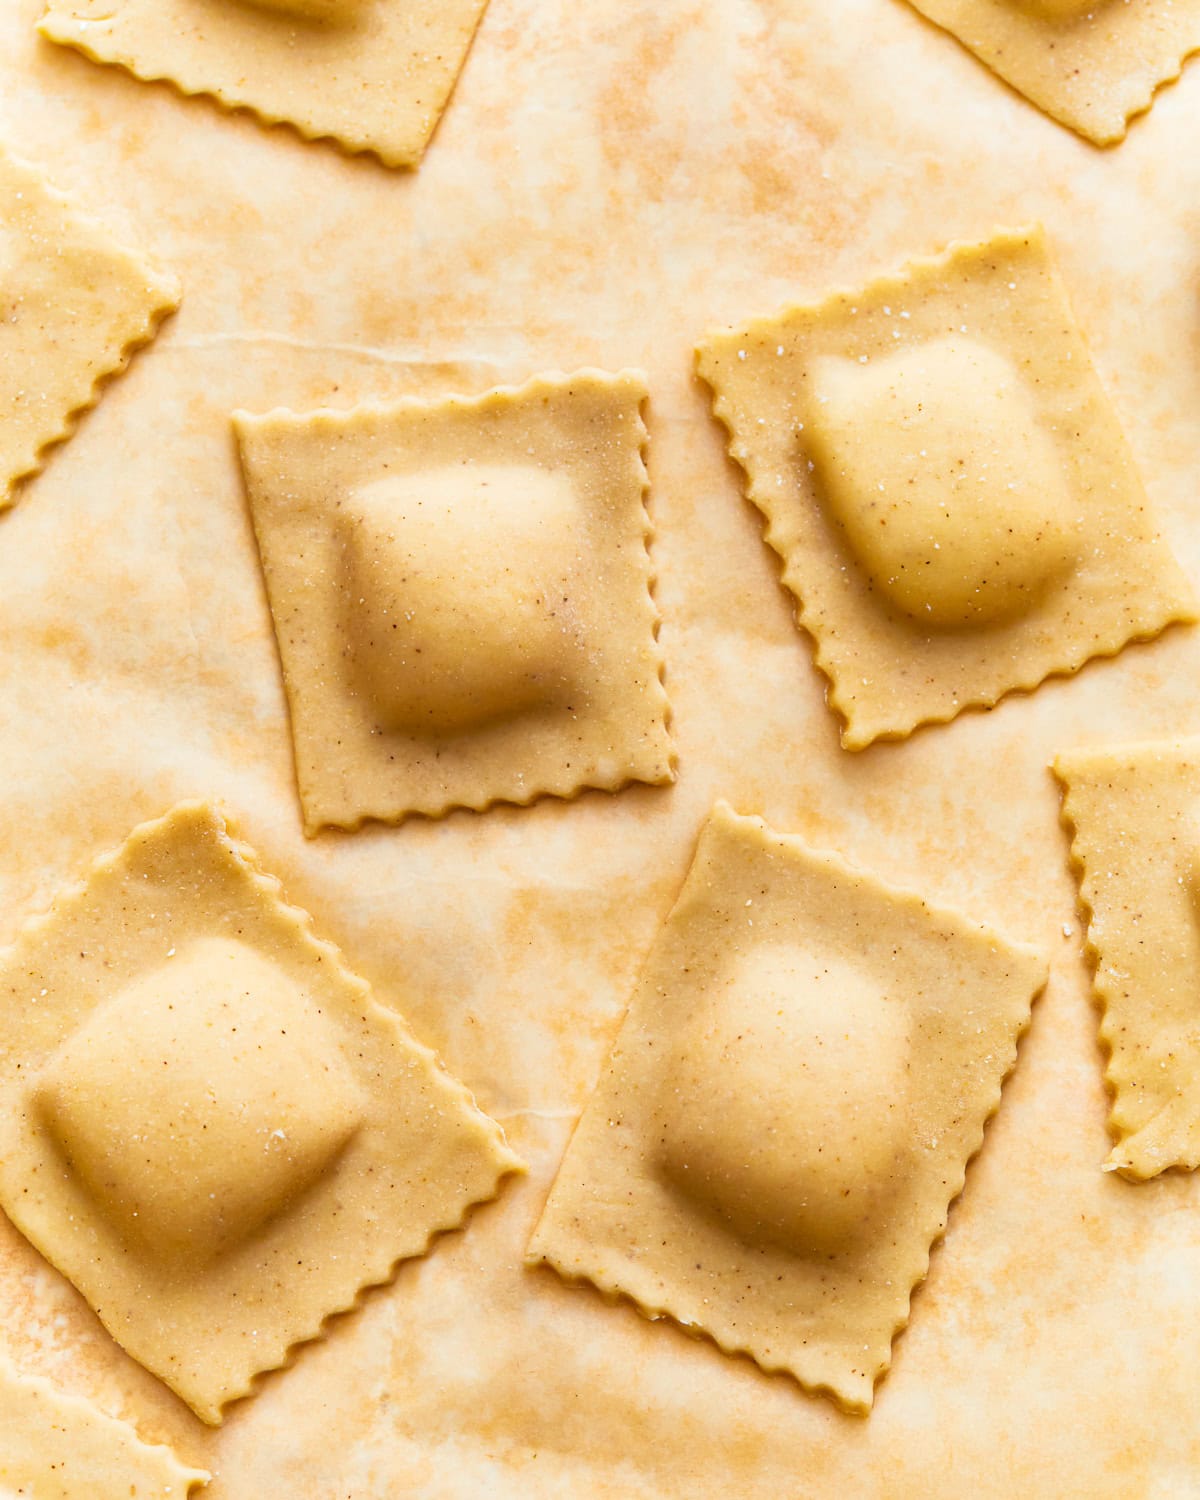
(1133, 813)
(370, 76)
(1092, 65)
(52, 368)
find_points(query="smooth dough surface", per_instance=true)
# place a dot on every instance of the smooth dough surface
(956, 508)
(74, 305)
(461, 594)
(58, 1447)
(209, 1125)
(1134, 816)
(372, 74)
(812, 1057)
(1089, 64)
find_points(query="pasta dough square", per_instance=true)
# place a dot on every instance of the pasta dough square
(207, 1123)
(789, 1109)
(57, 1447)
(74, 305)
(955, 505)
(373, 75)
(1134, 815)
(461, 592)
(1089, 64)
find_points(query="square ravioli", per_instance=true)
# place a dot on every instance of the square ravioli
(208, 1123)
(74, 305)
(373, 75)
(57, 1447)
(1089, 64)
(461, 592)
(805, 1071)
(956, 508)
(1134, 815)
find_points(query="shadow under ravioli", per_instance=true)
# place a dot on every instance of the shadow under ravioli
(1089, 64)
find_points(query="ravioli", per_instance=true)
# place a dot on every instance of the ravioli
(1089, 64)
(804, 1072)
(461, 592)
(953, 500)
(75, 306)
(1134, 816)
(208, 1124)
(369, 74)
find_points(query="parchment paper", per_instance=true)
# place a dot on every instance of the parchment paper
(608, 182)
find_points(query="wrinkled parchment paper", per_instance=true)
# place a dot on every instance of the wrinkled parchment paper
(608, 182)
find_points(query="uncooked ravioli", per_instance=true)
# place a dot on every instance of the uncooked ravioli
(1134, 816)
(76, 305)
(787, 1113)
(208, 1123)
(461, 592)
(372, 75)
(1089, 64)
(955, 505)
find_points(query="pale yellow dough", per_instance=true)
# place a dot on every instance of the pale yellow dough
(956, 508)
(374, 75)
(74, 305)
(1134, 815)
(207, 1123)
(461, 594)
(788, 1112)
(1089, 64)
(57, 1447)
